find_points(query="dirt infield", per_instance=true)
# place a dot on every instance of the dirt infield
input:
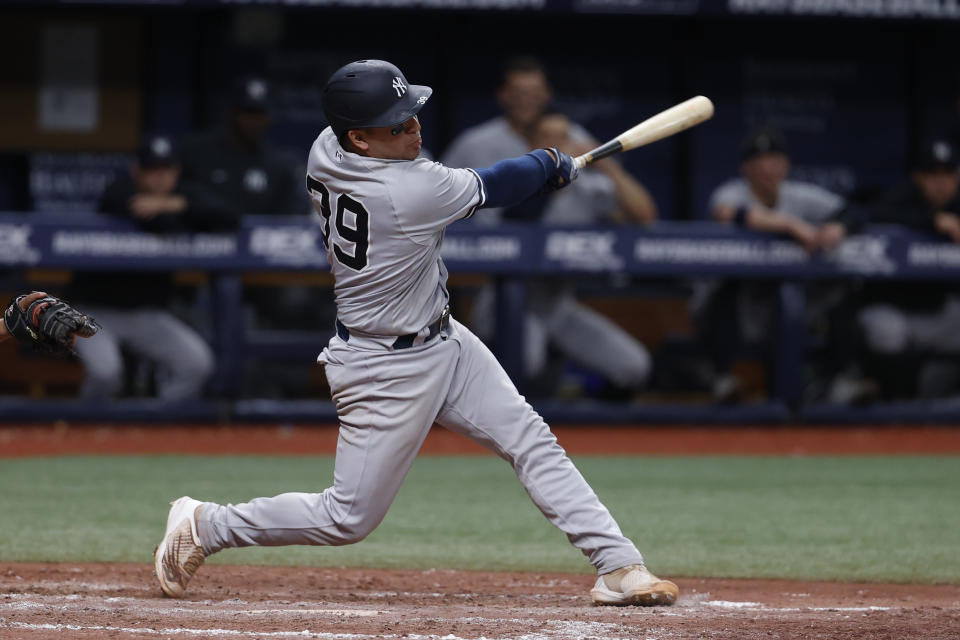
(66, 439)
(122, 601)
(58, 601)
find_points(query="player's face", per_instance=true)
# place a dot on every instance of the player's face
(157, 181)
(401, 142)
(523, 96)
(766, 171)
(250, 125)
(939, 187)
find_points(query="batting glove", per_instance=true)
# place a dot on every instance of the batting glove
(565, 172)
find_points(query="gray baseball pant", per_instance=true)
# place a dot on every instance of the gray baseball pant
(387, 402)
(183, 358)
(585, 336)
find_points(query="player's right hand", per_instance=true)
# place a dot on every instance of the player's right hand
(804, 233)
(565, 172)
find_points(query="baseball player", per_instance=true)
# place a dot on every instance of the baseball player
(399, 362)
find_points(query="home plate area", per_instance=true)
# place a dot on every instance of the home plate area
(60, 601)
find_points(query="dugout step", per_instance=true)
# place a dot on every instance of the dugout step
(945, 411)
(267, 410)
(125, 410)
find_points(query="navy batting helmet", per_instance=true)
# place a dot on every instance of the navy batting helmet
(370, 93)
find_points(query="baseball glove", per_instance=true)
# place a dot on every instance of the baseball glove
(48, 324)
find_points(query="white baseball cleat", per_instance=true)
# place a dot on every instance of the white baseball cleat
(633, 585)
(179, 554)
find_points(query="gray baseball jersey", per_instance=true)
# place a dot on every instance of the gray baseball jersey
(383, 222)
(809, 202)
(386, 221)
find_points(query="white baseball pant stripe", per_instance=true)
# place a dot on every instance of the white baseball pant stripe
(387, 402)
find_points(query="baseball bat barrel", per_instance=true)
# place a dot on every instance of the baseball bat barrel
(666, 123)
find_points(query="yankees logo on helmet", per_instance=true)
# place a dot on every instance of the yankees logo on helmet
(371, 93)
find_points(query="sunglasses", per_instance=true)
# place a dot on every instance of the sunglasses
(400, 128)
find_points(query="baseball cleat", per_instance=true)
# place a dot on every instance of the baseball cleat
(633, 585)
(179, 554)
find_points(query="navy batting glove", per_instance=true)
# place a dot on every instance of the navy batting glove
(565, 172)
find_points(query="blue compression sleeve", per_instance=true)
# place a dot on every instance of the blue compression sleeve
(515, 179)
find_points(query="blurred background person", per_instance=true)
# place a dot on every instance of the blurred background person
(133, 308)
(235, 160)
(523, 95)
(603, 194)
(730, 314)
(911, 328)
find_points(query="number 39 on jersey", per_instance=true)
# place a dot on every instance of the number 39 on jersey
(352, 224)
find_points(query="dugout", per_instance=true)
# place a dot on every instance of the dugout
(852, 92)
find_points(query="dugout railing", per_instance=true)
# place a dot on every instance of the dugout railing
(508, 254)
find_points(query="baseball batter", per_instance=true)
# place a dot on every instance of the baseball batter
(399, 362)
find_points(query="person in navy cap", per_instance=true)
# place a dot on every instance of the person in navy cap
(134, 307)
(763, 198)
(910, 328)
(235, 161)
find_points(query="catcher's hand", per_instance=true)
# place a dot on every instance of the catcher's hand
(47, 324)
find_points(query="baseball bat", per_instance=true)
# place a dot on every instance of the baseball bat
(666, 123)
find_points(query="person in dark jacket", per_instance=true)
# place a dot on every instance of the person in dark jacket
(903, 319)
(133, 307)
(234, 160)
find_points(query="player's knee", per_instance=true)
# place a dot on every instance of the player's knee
(633, 372)
(201, 364)
(355, 529)
(192, 360)
(885, 330)
(103, 378)
(637, 371)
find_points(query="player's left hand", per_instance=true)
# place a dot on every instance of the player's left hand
(565, 172)
(830, 235)
(47, 323)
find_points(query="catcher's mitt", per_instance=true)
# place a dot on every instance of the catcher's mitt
(49, 324)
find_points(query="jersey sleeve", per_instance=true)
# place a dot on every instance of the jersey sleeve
(821, 204)
(728, 194)
(429, 196)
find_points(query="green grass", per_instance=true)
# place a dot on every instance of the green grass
(845, 518)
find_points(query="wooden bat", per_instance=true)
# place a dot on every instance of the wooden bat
(666, 123)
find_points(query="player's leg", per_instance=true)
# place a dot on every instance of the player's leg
(386, 404)
(484, 405)
(184, 359)
(596, 342)
(101, 357)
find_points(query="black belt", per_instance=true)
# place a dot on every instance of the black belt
(406, 341)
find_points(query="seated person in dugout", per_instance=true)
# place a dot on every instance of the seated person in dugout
(523, 95)
(732, 313)
(133, 307)
(910, 329)
(604, 193)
